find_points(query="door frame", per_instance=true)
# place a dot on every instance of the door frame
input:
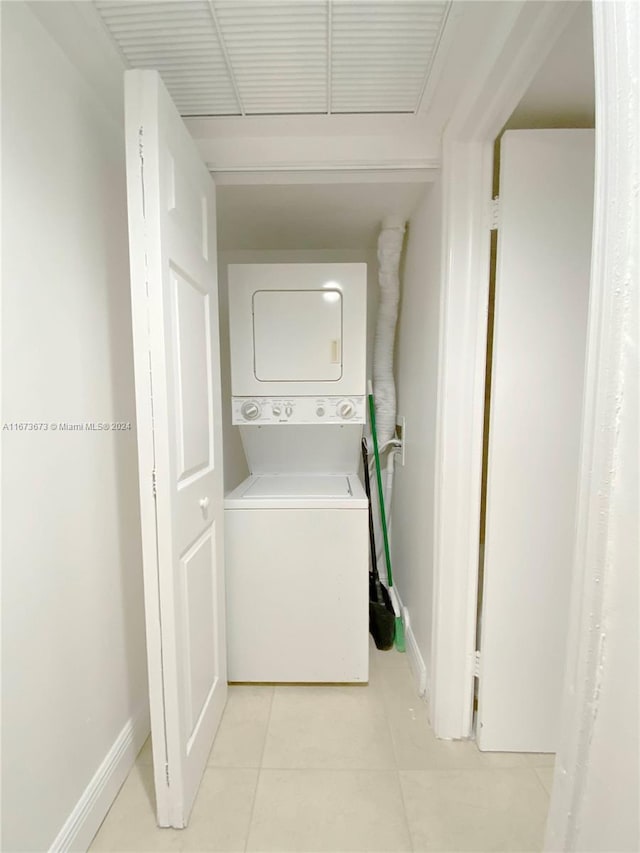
(528, 34)
(605, 557)
(467, 172)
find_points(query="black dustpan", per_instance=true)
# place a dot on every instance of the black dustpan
(382, 620)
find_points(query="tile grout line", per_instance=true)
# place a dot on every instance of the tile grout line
(397, 768)
(393, 769)
(404, 811)
(255, 791)
(538, 777)
(314, 769)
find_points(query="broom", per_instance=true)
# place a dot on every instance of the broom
(399, 632)
(382, 619)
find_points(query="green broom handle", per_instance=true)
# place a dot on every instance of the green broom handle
(376, 454)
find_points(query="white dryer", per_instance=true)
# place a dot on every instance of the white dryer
(297, 579)
(298, 333)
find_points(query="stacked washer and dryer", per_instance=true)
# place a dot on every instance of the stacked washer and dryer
(296, 529)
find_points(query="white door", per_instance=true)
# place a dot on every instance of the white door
(172, 236)
(542, 292)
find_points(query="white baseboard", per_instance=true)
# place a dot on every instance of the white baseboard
(414, 655)
(416, 662)
(90, 810)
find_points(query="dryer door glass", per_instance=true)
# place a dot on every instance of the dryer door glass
(297, 335)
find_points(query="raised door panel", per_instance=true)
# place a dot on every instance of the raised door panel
(199, 605)
(194, 405)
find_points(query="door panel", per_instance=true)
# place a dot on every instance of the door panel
(194, 404)
(297, 335)
(175, 325)
(542, 293)
(199, 606)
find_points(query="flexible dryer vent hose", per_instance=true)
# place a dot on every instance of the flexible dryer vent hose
(389, 251)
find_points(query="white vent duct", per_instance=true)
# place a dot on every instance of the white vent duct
(389, 251)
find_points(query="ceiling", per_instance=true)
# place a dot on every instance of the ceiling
(348, 215)
(282, 61)
(277, 57)
(562, 93)
(316, 216)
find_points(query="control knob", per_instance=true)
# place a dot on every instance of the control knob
(250, 410)
(345, 409)
(276, 409)
(288, 411)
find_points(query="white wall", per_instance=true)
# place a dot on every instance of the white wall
(416, 379)
(235, 467)
(73, 667)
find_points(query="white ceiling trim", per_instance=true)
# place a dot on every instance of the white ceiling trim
(234, 82)
(329, 56)
(321, 175)
(447, 28)
(423, 169)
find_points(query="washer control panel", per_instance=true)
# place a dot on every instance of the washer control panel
(298, 410)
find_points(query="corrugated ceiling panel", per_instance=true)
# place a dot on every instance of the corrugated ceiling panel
(179, 40)
(381, 54)
(225, 57)
(278, 52)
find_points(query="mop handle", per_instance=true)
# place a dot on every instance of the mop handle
(367, 489)
(376, 455)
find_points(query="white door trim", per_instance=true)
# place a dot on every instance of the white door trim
(604, 557)
(610, 367)
(519, 49)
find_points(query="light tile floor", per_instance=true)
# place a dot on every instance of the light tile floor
(341, 769)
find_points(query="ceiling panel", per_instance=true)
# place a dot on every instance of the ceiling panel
(278, 53)
(258, 57)
(381, 53)
(181, 42)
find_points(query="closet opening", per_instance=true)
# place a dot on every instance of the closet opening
(539, 280)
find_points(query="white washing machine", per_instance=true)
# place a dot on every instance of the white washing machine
(297, 579)
(296, 531)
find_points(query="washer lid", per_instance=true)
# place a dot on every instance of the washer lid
(299, 486)
(298, 491)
